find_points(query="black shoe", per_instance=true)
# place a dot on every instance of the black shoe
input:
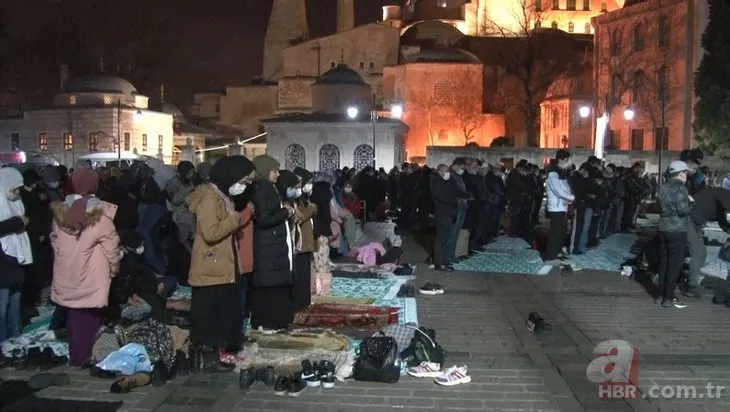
(666, 303)
(19, 359)
(35, 358)
(246, 378)
(678, 303)
(308, 370)
(266, 375)
(281, 387)
(213, 364)
(441, 268)
(50, 360)
(450, 268)
(182, 363)
(296, 387)
(411, 291)
(402, 291)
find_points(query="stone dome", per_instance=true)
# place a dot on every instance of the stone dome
(629, 3)
(176, 113)
(341, 75)
(101, 83)
(571, 85)
(442, 55)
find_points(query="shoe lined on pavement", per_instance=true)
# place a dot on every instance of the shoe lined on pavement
(327, 374)
(453, 376)
(431, 289)
(678, 303)
(281, 387)
(426, 370)
(296, 387)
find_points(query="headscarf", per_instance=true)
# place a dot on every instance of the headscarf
(322, 196)
(286, 180)
(304, 174)
(184, 167)
(51, 174)
(265, 164)
(16, 245)
(85, 183)
(31, 177)
(229, 170)
(203, 170)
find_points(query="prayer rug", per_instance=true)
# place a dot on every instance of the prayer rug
(611, 254)
(505, 256)
(343, 300)
(363, 317)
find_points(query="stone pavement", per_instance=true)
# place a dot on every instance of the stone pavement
(481, 322)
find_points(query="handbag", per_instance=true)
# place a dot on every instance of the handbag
(423, 348)
(377, 360)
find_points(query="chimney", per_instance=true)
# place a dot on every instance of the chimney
(63, 76)
(345, 15)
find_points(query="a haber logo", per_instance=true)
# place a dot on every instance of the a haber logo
(615, 370)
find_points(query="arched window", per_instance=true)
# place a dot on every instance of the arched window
(638, 86)
(587, 28)
(363, 156)
(663, 78)
(556, 118)
(295, 157)
(615, 43)
(329, 158)
(638, 37)
(554, 25)
(442, 92)
(571, 27)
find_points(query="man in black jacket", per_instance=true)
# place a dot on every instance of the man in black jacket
(711, 204)
(446, 199)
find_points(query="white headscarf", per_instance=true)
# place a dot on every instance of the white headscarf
(16, 244)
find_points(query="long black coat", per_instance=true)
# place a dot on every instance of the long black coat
(11, 272)
(272, 252)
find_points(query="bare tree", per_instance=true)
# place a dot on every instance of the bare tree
(466, 95)
(429, 105)
(532, 56)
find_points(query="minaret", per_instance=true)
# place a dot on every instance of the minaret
(287, 22)
(345, 15)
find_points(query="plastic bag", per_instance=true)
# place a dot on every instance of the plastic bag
(128, 360)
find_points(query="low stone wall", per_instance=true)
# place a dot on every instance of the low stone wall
(496, 155)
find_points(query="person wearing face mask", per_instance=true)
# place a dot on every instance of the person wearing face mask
(216, 315)
(52, 179)
(351, 201)
(675, 206)
(302, 234)
(15, 254)
(446, 198)
(559, 196)
(271, 304)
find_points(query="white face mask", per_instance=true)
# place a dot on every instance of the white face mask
(307, 188)
(236, 189)
(53, 185)
(447, 175)
(139, 250)
(459, 171)
(293, 193)
(348, 190)
(564, 164)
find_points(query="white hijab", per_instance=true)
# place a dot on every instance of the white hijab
(15, 244)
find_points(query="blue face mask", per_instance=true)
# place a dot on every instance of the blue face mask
(293, 193)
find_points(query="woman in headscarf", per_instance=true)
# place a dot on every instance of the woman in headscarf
(290, 188)
(271, 305)
(215, 313)
(321, 275)
(38, 274)
(52, 180)
(86, 244)
(15, 253)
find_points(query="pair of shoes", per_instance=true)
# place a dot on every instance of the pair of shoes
(406, 291)
(207, 360)
(247, 377)
(426, 370)
(676, 302)
(44, 359)
(316, 374)
(453, 376)
(431, 289)
(293, 386)
(444, 268)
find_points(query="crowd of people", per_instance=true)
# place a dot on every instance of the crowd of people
(254, 242)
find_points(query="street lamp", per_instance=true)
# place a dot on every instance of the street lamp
(629, 113)
(396, 111)
(352, 112)
(584, 111)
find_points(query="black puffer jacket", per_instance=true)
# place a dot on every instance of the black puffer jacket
(272, 254)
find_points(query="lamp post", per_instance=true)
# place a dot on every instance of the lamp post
(373, 119)
(119, 132)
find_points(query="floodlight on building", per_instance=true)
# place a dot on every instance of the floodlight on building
(396, 111)
(352, 112)
(584, 111)
(629, 113)
(138, 115)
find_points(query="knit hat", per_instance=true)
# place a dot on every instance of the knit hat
(265, 164)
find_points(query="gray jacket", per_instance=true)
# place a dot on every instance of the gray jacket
(674, 206)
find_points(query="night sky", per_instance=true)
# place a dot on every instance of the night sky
(189, 45)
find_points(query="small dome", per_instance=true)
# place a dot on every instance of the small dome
(629, 3)
(101, 83)
(176, 113)
(442, 55)
(567, 85)
(341, 75)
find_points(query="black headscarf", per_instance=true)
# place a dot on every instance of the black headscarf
(304, 174)
(30, 177)
(286, 180)
(322, 196)
(229, 170)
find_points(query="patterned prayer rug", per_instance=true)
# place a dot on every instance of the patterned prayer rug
(505, 256)
(611, 254)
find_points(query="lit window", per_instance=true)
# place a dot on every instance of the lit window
(556, 4)
(15, 141)
(93, 141)
(68, 142)
(442, 4)
(127, 142)
(372, 65)
(571, 27)
(570, 5)
(587, 5)
(144, 142)
(43, 142)
(72, 99)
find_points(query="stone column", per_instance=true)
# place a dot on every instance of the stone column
(235, 150)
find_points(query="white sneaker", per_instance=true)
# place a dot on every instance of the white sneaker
(426, 370)
(453, 376)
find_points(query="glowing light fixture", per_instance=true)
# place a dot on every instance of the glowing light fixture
(396, 111)
(629, 113)
(584, 111)
(352, 112)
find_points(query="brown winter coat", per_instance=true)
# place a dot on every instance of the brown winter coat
(306, 229)
(212, 259)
